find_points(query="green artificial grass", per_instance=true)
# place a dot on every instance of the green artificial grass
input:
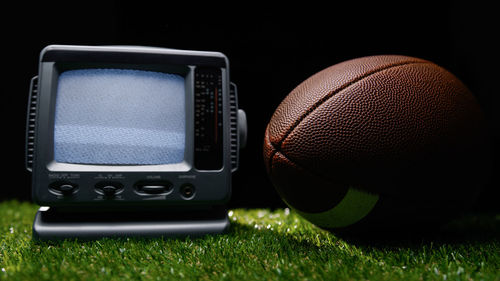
(261, 245)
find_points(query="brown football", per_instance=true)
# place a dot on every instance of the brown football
(377, 141)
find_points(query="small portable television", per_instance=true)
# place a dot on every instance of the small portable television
(132, 141)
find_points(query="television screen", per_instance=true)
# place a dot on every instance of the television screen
(119, 117)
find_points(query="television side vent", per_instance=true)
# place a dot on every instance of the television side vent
(30, 123)
(233, 117)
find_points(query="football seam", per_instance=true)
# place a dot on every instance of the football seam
(275, 152)
(319, 103)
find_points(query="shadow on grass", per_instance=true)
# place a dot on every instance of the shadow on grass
(470, 229)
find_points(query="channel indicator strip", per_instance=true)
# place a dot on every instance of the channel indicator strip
(208, 119)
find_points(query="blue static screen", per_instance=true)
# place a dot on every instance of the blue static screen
(120, 117)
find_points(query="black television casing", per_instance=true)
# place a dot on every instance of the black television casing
(201, 182)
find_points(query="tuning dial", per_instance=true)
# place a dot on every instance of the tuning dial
(64, 188)
(108, 189)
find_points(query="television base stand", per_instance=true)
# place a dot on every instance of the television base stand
(53, 224)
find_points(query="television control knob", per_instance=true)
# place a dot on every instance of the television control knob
(63, 188)
(66, 189)
(109, 190)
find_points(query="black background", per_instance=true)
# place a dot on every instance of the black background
(271, 50)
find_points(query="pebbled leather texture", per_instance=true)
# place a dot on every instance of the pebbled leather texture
(393, 125)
